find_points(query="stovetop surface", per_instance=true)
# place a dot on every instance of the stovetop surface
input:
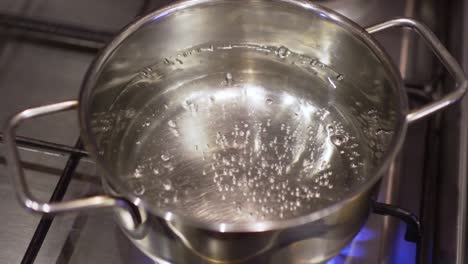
(35, 73)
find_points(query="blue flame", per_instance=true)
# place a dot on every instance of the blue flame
(404, 252)
(366, 234)
(356, 248)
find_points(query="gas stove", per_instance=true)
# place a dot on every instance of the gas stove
(45, 49)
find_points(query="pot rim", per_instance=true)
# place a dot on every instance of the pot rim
(116, 184)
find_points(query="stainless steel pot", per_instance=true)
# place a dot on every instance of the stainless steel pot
(295, 104)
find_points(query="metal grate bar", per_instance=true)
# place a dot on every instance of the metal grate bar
(36, 144)
(64, 35)
(34, 29)
(46, 221)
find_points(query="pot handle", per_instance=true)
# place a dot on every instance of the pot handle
(442, 54)
(19, 182)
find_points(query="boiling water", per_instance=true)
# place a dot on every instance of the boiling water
(238, 133)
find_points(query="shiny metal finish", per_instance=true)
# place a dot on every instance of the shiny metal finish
(100, 91)
(193, 90)
(444, 56)
(274, 75)
(461, 221)
(20, 184)
(168, 241)
(237, 146)
(451, 245)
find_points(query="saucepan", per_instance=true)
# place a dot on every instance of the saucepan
(233, 131)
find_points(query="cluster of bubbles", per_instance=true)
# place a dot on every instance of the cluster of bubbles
(259, 167)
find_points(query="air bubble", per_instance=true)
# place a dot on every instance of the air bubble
(338, 139)
(167, 186)
(138, 173)
(139, 189)
(228, 78)
(269, 101)
(172, 124)
(373, 114)
(165, 157)
(282, 52)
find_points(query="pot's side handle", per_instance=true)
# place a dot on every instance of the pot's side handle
(19, 182)
(442, 54)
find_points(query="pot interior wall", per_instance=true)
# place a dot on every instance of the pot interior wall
(235, 111)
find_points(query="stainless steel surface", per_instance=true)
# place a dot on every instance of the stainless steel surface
(100, 94)
(73, 240)
(194, 237)
(462, 170)
(35, 74)
(451, 246)
(444, 56)
(229, 144)
(315, 213)
(461, 210)
(19, 181)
